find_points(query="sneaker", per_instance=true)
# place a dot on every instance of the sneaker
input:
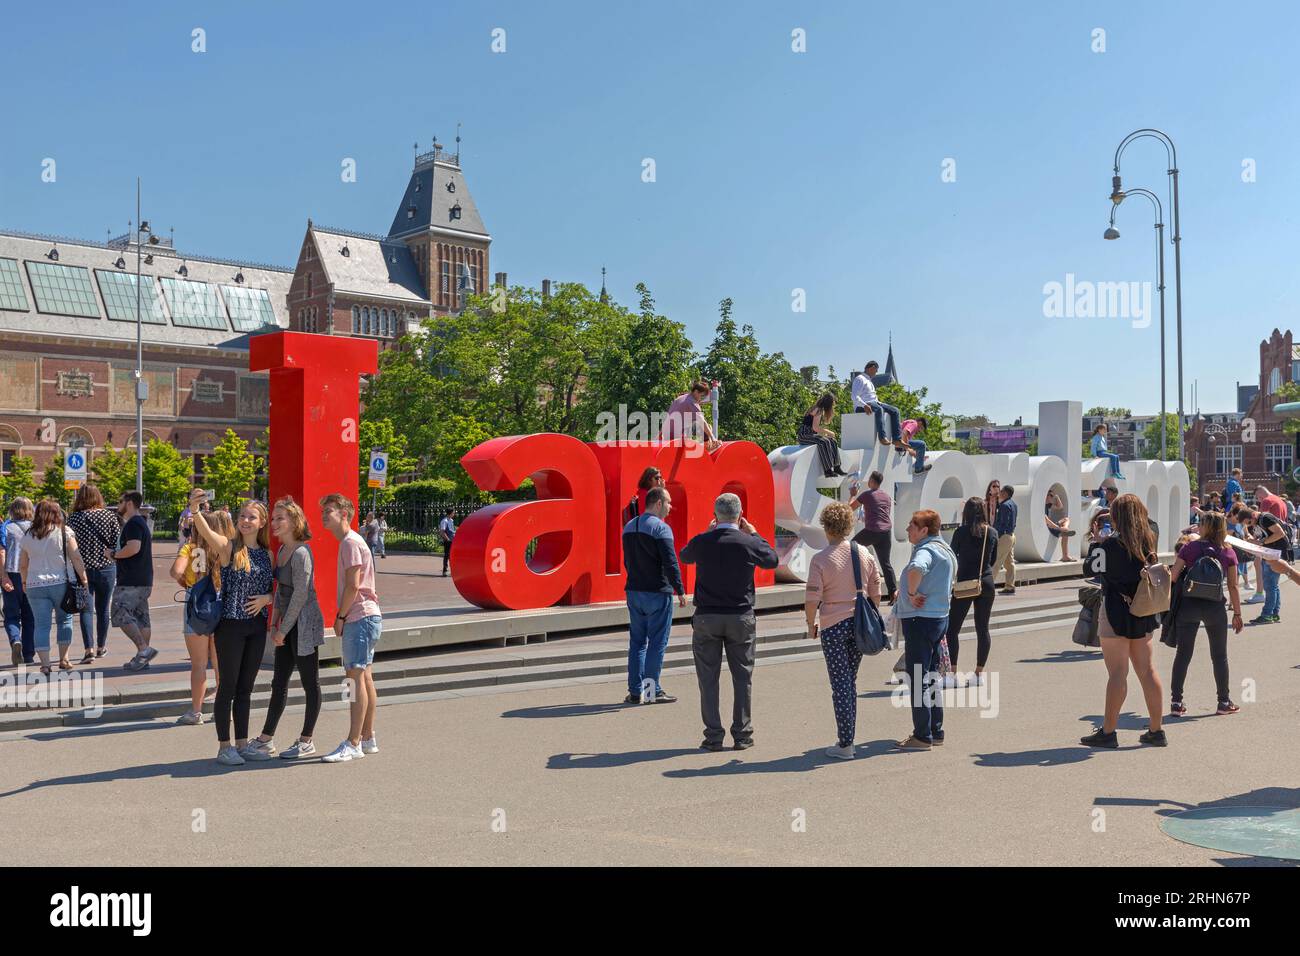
(936, 741)
(299, 748)
(136, 665)
(840, 753)
(230, 757)
(713, 746)
(1265, 619)
(1101, 739)
(923, 469)
(632, 699)
(743, 744)
(148, 654)
(258, 749)
(1155, 738)
(370, 745)
(1227, 707)
(1256, 598)
(663, 697)
(16, 654)
(913, 743)
(949, 680)
(189, 718)
(976, 679)
(344, 751)
(1177, 709)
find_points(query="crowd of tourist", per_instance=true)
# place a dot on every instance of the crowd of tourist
(96, 565)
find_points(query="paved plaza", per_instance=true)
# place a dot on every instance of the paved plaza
(562, 773)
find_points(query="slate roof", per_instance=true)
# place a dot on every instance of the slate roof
(25, 247)
(428, 197)
(374, 266)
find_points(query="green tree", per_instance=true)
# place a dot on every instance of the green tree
(1105, 412)
(1151, 435)
(230, 469)
(113, 471)
(166, 472)
(763, 395)
(381, 433)
(914, 403)
(20, 482)
(52, 484)
(262, 449)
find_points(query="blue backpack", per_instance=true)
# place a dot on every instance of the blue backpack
(203, 606)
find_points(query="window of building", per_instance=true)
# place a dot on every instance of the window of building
(249, 308)
(446, 276)
(1226, 458)
(356, 320)
(1278, 459)
(118, 290)
(1274, 381)
(12, 295)
(7, 460)
(194, 305)
(62, 290)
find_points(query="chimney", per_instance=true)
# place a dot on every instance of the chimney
(501, 280)
(546, 289)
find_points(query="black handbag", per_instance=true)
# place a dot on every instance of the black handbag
(868, 625)
(76, 596)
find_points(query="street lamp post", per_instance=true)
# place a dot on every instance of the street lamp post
(141, 389)
(1113, 233)
(1116, 197)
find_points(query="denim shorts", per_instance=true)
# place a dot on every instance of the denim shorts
(359, 640)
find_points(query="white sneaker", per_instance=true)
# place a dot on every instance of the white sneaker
(230, 757)
(258, 749)
(190, 717)
(949, 680)
(976, 680)
(840, 753)
(344, 751)
(370, 745)
(1257, 598)
(300, 748)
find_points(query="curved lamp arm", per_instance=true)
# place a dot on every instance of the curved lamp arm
(1171, 152)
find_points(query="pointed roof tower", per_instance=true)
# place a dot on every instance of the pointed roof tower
(890, 369)
(438, 200)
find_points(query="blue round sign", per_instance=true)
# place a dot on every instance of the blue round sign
(378, 464)
(75, 461)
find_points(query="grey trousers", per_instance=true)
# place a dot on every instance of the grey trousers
(712, 635)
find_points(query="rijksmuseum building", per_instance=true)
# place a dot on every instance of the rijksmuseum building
(68, 313)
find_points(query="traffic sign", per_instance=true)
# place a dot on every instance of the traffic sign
(378, 468)
(74, 468)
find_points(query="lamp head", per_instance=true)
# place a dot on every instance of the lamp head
(1110, 233)
(1116, 190)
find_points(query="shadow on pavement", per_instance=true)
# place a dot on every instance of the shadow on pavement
(1053, 757)
(68, 733)
(800, 763)
(1062, 657)
(1127, 720)
(177, 770)
(610, 760)
(566, 710)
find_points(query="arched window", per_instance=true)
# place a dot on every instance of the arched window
(356, 319)
(1274, 381)
(383, 321)
(370, 321)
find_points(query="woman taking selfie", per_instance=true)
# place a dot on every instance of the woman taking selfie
(1126, 638)
(195, 559)
(297, 630)
(241, 636)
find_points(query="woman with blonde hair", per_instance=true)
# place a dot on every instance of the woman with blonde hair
(831, 592)
(196, 558)
(241, 636)
(297, 631)
(1125, 637)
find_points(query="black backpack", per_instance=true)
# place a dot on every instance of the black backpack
(1204, 579)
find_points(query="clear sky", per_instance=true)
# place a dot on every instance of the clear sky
(775, 170)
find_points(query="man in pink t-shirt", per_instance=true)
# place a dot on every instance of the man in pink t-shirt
(358, 626)
(685, 419)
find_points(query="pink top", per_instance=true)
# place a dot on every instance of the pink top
(909, 428)
(830, 582)
(683, 414)
(353, 551)
(1273, 505)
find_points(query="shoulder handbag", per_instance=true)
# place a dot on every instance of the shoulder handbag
(971, 587)
(1154, 590)
(868, 625)
(76, 596)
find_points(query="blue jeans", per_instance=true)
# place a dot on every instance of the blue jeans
(94, 619)
(20, 624)
(650, 618)
(359, 640)
(1272, 593)
(919, 447)
(1114, 463)
(881, 410)
(45, 602)
(921, 637)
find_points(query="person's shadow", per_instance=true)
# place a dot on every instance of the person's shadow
(1063, 657)
(800, 763)
(177, 770)
(570, 761)
(567, 710)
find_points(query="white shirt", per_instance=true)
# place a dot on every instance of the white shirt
(863, 391)
(45, 558)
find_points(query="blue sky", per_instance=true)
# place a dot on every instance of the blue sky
(775, 170)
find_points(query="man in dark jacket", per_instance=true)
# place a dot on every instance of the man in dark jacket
(726, 556)
(653, 577)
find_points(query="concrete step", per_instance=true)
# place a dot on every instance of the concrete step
(497, 669)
